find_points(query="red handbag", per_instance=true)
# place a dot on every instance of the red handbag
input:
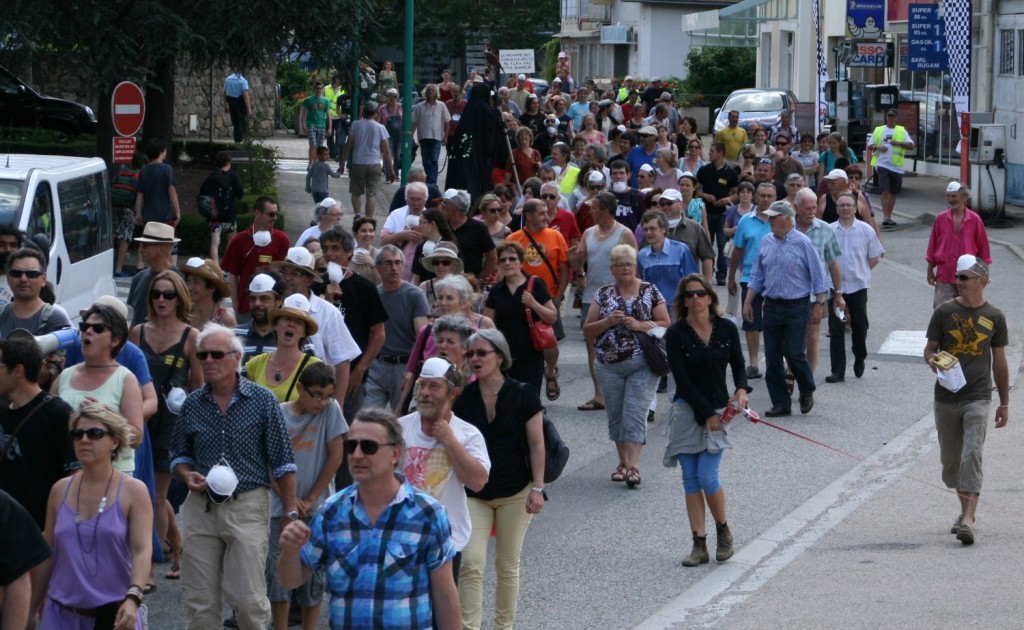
(542, 335)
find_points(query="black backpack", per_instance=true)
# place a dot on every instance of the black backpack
(215, 198)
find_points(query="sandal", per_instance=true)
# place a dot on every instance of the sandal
(591, 405)
(620, 473)
(553, 390)
(149, 588)
(633, 477)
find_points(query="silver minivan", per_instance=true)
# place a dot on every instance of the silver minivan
(63, 203)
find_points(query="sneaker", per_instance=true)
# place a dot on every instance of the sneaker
(650, 416)
(753, 372)
(232, 621)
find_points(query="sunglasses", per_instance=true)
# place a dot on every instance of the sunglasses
(216, 355)
(963, 277)
(550, 196)
(509, 259)
(665, 202)
(97, 327)
(32, 274)
(271, 214)
(443, 262)
(166, 294)
(694, 146)
(781, 143)
(598, 187)
(369, 447)
(93, 434)
(695, 293)
(478, 353)
(494, 210)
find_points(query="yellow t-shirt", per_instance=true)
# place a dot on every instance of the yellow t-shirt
(256, 370)
(734, 140)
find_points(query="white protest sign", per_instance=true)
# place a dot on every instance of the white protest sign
(516, 61)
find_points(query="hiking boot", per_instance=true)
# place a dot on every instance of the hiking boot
(699, 555)
(724, 550)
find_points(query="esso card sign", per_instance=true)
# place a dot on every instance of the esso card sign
(869, 55)
(127, 108)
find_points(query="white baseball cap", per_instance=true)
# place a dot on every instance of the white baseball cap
(837, 173)
(955, 187)
(262, 283)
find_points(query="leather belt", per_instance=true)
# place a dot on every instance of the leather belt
(801, 300)
(393, 358)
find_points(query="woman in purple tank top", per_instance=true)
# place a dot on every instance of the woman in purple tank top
(99, 523)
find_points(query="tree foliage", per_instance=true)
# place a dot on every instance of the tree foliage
(716, 71)
(141, 40)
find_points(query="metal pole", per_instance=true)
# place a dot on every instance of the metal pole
(407, 93)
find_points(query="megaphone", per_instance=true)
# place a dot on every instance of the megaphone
(56, 341)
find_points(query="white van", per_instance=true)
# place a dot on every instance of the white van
(67, 200)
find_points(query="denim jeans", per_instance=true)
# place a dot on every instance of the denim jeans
(716, 225)
(430, 155)
(339, 135)
(785, 337)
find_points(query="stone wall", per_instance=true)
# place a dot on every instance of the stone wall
(191, 97)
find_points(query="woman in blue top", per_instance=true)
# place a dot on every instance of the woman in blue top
(837, 148)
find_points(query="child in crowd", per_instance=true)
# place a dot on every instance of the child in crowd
(317, 430)
(563, 70)
(316, 178)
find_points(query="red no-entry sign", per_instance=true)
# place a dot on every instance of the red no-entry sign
(128, 108)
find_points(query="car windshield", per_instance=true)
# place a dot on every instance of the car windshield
(10, 200)
(756, 102)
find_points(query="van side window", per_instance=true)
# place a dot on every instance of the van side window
(41, 221)
(85, 215)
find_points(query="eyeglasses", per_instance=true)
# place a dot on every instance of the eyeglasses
(494, 210)
(509, 259)
(320, 397)
(963, 277)
(32, 274)
(97, 327)
(793, 184)
(550, 196)
(369, 447)
(665, 202)
(624, 265)
(216, 355)
(478, 353)
(444, 262)
(93, 434)
(167, 294)
(695, 293)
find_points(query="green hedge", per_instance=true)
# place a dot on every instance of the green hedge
(44, 142)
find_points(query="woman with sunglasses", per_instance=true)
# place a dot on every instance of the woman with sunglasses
(490, 210)
(365, 230)
(99, 523)
(279, 370)
(745, 169)
(701, 346)
(169, 343)
(208, 291)
(442, 263)
(509, 415)
(618, 312)
(794, 182)
(694, 157)
(434, 229)
(687, 135)
(506, 306)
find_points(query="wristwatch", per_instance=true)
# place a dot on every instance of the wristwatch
(293, 515)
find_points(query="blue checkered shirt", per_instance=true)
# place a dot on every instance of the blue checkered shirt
(251, 436)
(378, 574)
(787, 268)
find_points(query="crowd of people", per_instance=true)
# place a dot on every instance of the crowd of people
(355, 415)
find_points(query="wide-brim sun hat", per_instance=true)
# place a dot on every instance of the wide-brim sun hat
(156, 232)
(443, 249)
(295, 306)
(297, 258)
(208, 270)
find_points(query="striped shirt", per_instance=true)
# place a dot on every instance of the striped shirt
(378, 574)
(787, 268)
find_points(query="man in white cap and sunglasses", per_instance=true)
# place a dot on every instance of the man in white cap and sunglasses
(975, 333)
(444, 454)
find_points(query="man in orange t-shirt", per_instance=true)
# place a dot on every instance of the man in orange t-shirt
(554, 271)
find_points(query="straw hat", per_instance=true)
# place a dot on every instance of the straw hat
(156, 232)
(443, 249)
(297, 258)
(295, 306)
(208, 270)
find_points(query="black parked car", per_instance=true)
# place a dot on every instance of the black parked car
(21, 106)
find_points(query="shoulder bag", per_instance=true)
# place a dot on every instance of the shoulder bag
(653, 349)
(542, 336)
(557, 326)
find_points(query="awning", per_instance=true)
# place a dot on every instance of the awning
(737, 25)
(577, 34)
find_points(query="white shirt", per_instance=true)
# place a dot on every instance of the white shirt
(332, 343)
(859, 244)
(312, 232)
(428, 467)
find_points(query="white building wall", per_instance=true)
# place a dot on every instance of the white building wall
(663, 46)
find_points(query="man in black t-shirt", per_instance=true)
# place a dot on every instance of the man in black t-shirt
(717, 183)
(34, 447)
(21, 548)
(476, 247)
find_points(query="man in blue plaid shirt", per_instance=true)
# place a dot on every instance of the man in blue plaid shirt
(387, 546)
